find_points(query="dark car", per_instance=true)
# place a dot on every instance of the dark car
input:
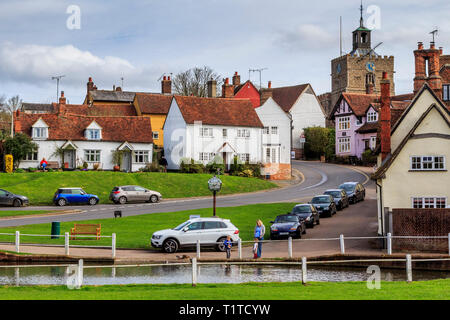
(308, 213)
(324, 204)
(10, 199)
(65, 196)
(287, 225)
(355, 191)
(340, 198)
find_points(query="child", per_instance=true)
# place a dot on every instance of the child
(228, 244)
(255, 249)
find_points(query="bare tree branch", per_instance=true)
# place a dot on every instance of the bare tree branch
(194, 81)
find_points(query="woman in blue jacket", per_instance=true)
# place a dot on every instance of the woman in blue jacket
(260, 230)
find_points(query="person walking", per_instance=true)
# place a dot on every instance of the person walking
(260, 230)
(228, 244)
(163, 162)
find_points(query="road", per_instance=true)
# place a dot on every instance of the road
(317, 178)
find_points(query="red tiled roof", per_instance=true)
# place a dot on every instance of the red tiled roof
(360, 102)
(151, 103)
(368, 127)
(101, 110)
(218, 111)
(67, 126)
(403, 97)
(287, 96)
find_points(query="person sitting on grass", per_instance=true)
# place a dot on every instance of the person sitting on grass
(43, 164)
(228, 244)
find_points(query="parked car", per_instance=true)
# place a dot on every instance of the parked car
(64, 196)
(308, 213)
(10, 199)
(124, 194)
(210, 232)
(355, 191)
(324, 204)
(287, 225)
(340, 198)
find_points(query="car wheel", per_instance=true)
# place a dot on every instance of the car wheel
(122, 200)
(93, 201)
(62, 202)
(17, 203)
(318, 221)
(154, 198)
(299, 234)
(220, 247)
(170, 246)
(304, 230)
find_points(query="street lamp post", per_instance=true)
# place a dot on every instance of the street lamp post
(214, 185)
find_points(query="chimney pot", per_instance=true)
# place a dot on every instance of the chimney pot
(168, 78)
(166, 85)
(432, 45)
(90, 79)
(227, 81)
(269, 85)
(441, 50)
(420, 45)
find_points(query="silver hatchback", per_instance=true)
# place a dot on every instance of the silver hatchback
(124, 194)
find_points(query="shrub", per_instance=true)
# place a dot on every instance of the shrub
(216, 164)
(50, 170)
(19, 170)
(236, 167)
(246, 173)
(31, 169)
(152, 167)
(96, 166)
(85, 165)
(368, 158)
(254, 167)
(189, 166)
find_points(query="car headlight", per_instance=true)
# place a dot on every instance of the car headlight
(293, 228)
(156, 237)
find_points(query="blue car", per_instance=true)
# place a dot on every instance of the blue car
(64, 196)
(287, 225)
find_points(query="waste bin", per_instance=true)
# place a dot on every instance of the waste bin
(56, 229)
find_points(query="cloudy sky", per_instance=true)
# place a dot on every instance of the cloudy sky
(140, 40)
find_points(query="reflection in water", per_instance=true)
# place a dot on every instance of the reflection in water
(206, 274)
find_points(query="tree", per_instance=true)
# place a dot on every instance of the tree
(19, 146)
(13, 104)
(194, 81)
(318, 141)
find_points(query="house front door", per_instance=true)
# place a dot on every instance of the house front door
(126, 161)
(225, 160)
(69, 158)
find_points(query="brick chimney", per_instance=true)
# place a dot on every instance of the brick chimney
(90, 85)
(236, 79)
(227, 89)
(17, 123)
(212, 88)
(385, 117)
(427, 58)
(266, 93)
(166, 85)
(369, 88)
(62, 99)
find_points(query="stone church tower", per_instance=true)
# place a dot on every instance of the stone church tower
(359, 71)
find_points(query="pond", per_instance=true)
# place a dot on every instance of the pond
(206, 274)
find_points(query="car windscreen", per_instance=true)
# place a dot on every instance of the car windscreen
(335, 194)
(181, 226)
(347, 187)
(285, 219)
(115, 189)
(301, 209)
(320, 200)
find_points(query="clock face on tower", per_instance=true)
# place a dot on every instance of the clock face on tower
(370, 66)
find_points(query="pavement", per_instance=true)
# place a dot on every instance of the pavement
(311, 178)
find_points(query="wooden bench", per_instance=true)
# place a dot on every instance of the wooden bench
(53, 165)
(86, 229)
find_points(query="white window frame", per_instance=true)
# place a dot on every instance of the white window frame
(93, 134)
(274, 130)
(244, 157)
(206, 132)
(40, 133)
(206, 156)
(428, 202)
(272, 154)
(266, 130)
(243, 133)
(344, 123)
(225, 133)
(372, 116)
(428, 160)
(446, 92)
(344, 145)
(141, 156)
(91, 152)
(373, 142)
(155, 135)
(34, 155)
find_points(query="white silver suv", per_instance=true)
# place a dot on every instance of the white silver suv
(210, 232)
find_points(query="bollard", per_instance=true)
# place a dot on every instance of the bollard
(389, 243)
(304, 271)
(408, 268)
(240, 248)
(290, 247)
(198, 249)
(113, 245)
(80, 274)
(341, 243)
(194, 272)
(17, 241)
(66, 243)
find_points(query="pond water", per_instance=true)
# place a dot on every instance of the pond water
(206, 274)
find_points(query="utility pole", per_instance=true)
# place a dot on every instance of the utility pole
(57, 78)
(257, 70)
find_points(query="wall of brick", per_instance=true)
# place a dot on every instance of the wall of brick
(421, 222)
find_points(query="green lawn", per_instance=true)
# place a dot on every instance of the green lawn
(11, 213)
(421, 290)
(40, 187)
(135, 231)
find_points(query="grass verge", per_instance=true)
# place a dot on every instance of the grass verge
(421, 290)
(12, 213)
(40, 187)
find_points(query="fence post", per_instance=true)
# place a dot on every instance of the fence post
(113, 245)
(449, 244)
(389, 243)
(66, 243)
(198, 249)
(194, 272)
(290, 247)
(17, 241)
(341, 243)
(304, 271)
(80, 273)
(240, 247)
(408, 268)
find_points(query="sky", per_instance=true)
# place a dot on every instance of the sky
(140, 40)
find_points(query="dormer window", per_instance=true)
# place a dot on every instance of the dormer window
(93, 131)
(372, 116)
(39, 130)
